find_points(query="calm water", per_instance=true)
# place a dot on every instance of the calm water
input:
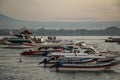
(12, 69)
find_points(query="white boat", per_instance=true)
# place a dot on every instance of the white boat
(66, 60)
(80, 55)
(87, 67)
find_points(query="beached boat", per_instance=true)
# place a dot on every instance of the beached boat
(87, 67)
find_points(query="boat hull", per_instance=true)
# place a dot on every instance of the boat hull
(69, 62)
(76, 67)
(39, 52)
(35, 53)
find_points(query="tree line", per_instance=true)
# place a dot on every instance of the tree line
(110, 31)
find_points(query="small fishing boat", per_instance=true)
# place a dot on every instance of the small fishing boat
(87, 67)
(99, 57)
(43, 50)
(66, 60)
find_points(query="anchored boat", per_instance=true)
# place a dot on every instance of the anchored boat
(87, 67)
(43, 50)
(52, 61)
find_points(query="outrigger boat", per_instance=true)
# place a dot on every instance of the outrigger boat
(52, 61)
(68, 58)
(43, 50)
(98, 66)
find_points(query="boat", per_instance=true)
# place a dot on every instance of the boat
(43, 50)
(19, 41)
(23, 37)
(78, 58)
(111, 39)
(98, 56)
(51, 60)
(71, 52)
(86, 67)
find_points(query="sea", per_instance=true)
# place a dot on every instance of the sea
(12, 69)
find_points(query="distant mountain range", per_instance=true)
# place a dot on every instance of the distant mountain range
(10, 23)
(111, 31)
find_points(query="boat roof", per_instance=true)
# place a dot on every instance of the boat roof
(69, 54)
(26, 32)
(89, 56)
(81, 55)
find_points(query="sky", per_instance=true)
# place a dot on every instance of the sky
(62, 10)
(85, 10)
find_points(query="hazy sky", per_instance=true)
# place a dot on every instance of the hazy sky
(62, 10)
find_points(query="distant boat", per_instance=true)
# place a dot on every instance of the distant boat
(18, 41)
(111, 39)
(23, 37)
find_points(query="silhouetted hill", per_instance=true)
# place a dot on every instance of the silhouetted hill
(11, 23)
(8, 24)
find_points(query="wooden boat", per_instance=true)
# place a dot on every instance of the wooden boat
(51, 62)
(44, 50)
(87, 67)
(99, 58)
(68, 58)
